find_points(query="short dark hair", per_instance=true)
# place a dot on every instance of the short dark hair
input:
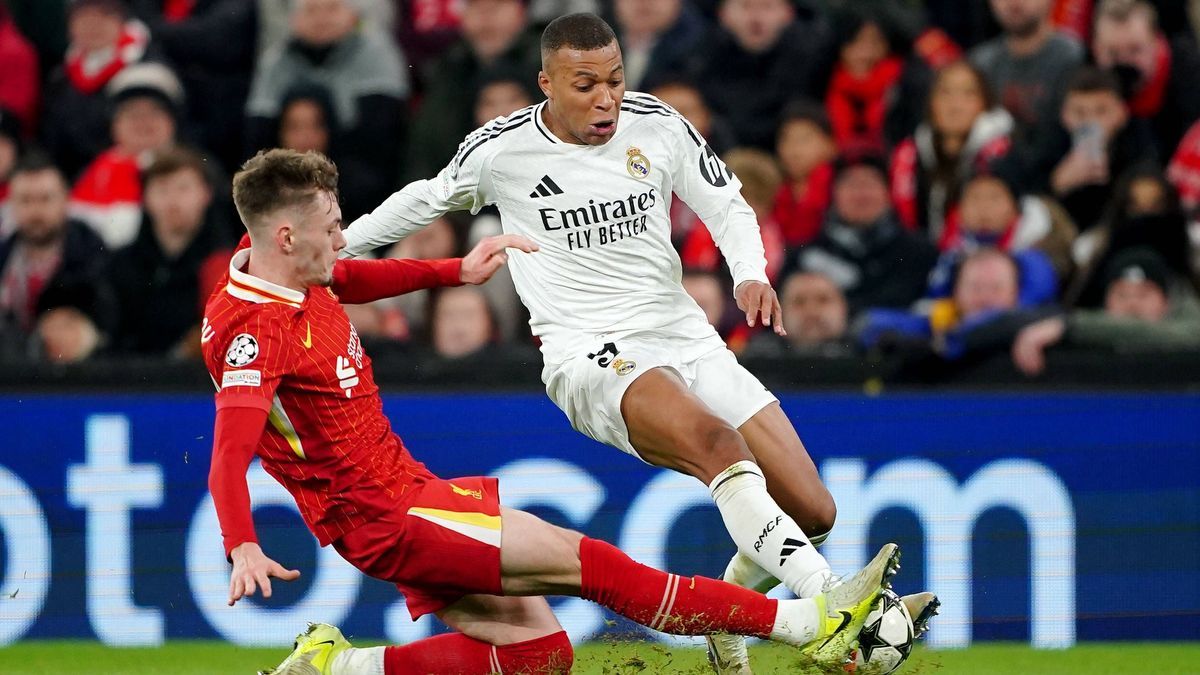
(805, 110)
(174, 159)
(279, 179)
(1093, 80)
(36, 161)
(583, 31)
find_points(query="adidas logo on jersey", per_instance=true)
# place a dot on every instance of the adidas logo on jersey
(545, 188)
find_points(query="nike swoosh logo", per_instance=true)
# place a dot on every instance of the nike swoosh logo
(846, 617)
(312, 653)
(307, 342)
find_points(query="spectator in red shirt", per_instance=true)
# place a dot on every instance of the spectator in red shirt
(874, 93)
(806, 150)
(146, 100)
(965, 131)
(104, 41)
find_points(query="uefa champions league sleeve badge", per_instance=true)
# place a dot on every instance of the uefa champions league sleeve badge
(637, 165)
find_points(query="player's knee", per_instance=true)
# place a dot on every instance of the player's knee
(820, 522)
(822, 525)
(718, 448)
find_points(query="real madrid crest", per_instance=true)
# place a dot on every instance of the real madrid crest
(637, 165)
(623, 367)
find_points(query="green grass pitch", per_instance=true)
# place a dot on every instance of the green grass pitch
(185, 658)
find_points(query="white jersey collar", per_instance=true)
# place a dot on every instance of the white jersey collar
(549, 135)
(541, 126)
(248, 287)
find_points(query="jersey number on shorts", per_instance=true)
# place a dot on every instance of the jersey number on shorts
(600, 357)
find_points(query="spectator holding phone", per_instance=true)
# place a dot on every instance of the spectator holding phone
(1100, 140)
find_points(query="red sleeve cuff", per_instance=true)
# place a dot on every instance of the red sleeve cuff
(256, 401)
(449, 271)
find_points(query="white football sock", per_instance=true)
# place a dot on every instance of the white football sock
(764, 533)
(796, 622)
(355, 661)
(744, 572)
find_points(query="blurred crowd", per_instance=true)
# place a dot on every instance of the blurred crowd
(957, 177)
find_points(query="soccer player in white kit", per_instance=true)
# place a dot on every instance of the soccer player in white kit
(589, 175)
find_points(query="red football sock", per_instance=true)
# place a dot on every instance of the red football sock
(457, 654)
(668, 602)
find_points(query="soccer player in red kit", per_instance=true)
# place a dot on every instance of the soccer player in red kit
(296, 389)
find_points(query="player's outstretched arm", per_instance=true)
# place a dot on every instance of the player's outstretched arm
(361, 281)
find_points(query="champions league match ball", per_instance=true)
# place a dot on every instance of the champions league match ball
(886, 638)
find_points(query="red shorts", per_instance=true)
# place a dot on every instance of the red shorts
(442, 543)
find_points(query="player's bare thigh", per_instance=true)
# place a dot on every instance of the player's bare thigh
(671, 427)
(536, 559)
(792, 478)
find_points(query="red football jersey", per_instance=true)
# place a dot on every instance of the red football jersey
(297, 356)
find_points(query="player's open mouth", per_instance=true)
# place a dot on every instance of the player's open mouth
(603, 128)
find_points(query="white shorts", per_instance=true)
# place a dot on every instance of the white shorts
(589, 387)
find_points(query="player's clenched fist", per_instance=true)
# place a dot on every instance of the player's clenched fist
(490, 255)
(252, 569)
(755, 298)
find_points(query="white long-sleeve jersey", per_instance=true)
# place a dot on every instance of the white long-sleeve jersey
(600, 215)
